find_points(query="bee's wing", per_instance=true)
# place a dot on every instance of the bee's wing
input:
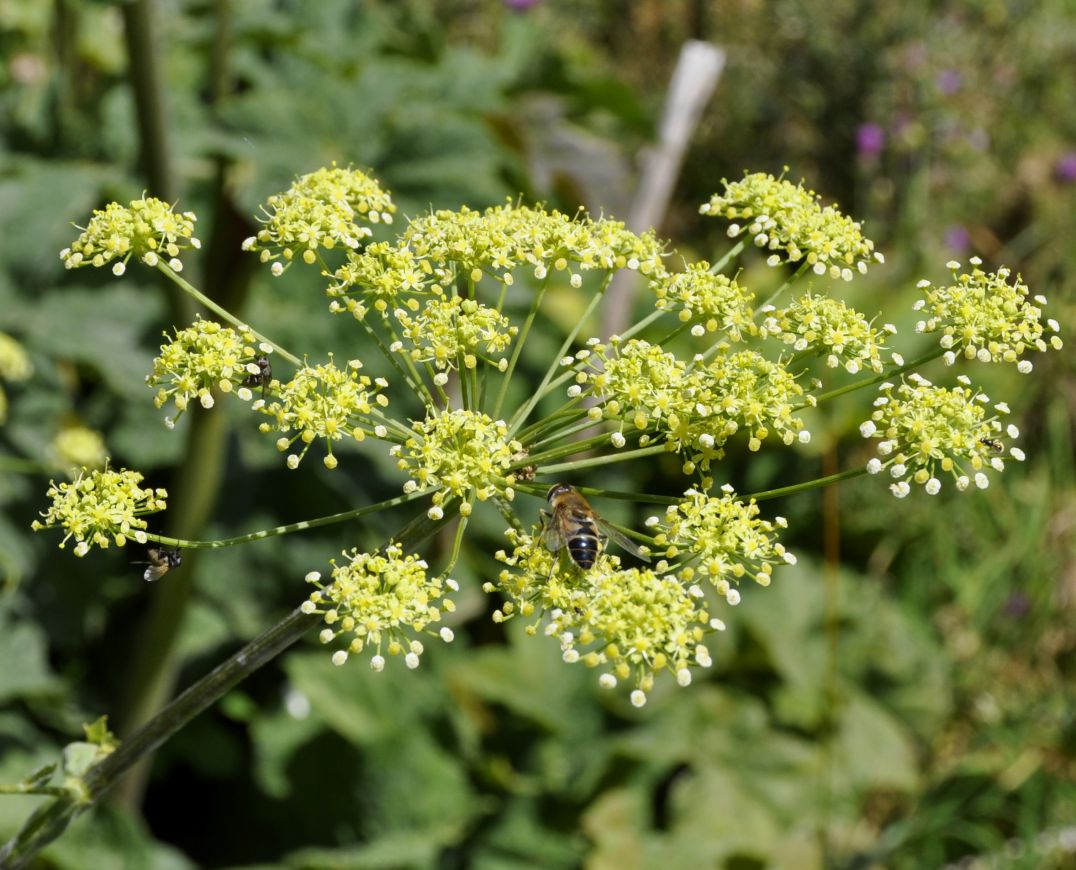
(155, 571)
(552, 534)
(621, 540)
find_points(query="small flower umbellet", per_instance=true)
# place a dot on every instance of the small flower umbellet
(986, 318)
(321, 210)
(928, 434)
(329, 403)
(203, 360)
(449, 304)
(379, 602)
(148, 229)
(783, 217)
(77, 447)
(101, 507)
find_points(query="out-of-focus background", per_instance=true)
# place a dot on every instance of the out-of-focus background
(901, 698)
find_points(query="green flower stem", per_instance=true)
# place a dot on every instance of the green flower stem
(415, 382)
(604, 459)
(734, 251)
(518, 349)
(566, 416)
(431, 371)
(524, 412)
(568, 432)
(803, 487)
(877, 379)
(191, 290)
(23, 788)
(286, 530)
(564, 450)
(402, 432)
(457, 543)
(804, 266)
(678, 331)
(631, 533)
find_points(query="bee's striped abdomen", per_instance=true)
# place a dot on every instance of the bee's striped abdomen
(584, 546)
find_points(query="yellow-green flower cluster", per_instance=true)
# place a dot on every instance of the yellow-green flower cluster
(985, 317)
(387, 273)
(78, 447)
(101, 507)
(15, 365)
(783, 217)
(204, 357)
(928, 432)
(379, 602)
(320, 210)
(329, 403)
(454, 331)
(718, 302)
(458, 453)
(828, 327)
(721, 539)
(695, 408)
(631, 624)
(508, 237)
(147, 229)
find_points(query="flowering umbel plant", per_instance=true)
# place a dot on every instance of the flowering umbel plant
(442, 314)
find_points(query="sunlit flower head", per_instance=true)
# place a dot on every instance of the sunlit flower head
(720, 538)
(829, 328)
(380, 603)
(322, 209)
(783, 217)
(458, 454)
(202, 360)
(630, 624)
(454, 333)
(986, 318)
(148, 229)
(77, 447)
(327, 403)
(715, 301)
(928, 434)
(695, 408)
(101, 507)
(381, 275)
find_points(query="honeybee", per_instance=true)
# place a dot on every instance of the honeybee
(994, 445)
(161, 561)
(263, 377)
(576, 525)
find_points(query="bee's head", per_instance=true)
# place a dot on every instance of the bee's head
(558, 489)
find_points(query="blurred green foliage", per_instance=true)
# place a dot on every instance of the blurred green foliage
(912, 707)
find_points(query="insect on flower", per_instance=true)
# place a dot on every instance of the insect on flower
(994, 445)
(263, 377)
(576, 525)
(161, 561)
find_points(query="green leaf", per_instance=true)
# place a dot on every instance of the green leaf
(25, 671)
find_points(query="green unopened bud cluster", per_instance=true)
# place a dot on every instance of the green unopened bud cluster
(204, 360)
(928, 433)
(791, 221)
(100, 508)
(458, 454)
(380, 603)
(322, 209)
(329, 403)
(984, 317)
(148, 229)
